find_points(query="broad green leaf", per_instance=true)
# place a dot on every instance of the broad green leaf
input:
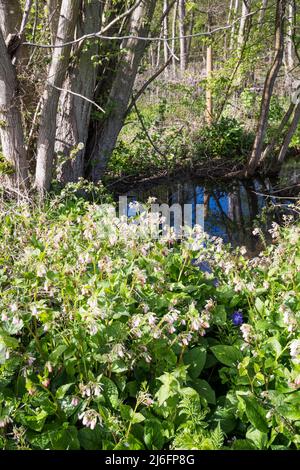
(195, 359)
(205, 390)
(255, 413)
(228, 355)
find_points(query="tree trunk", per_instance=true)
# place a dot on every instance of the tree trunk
(268, 88)
(245, 12)
(53, 15)
(60, 59)
(209, 70)
(106, 133)
(232, 33)
(291, 131)
(166, 34)
(11, 131)
(174, 24)
(289, 40)
(262, 13)
(183, 42)
(271, 146)
(74, 112)
(10, 17)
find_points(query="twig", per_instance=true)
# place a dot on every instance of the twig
(79, 96)
(100, 35)
(146, 84)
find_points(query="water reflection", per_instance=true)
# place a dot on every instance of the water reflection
(230, 210)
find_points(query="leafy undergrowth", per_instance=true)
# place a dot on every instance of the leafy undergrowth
(110, 339)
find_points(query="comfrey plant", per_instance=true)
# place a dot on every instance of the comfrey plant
(110, 339)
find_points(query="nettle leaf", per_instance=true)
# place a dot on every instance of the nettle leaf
(228, 355)
(8, 341)
(255, 413)
(195, 359)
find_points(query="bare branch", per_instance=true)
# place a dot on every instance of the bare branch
(79, 96)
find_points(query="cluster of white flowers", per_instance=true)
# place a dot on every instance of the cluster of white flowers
(90, 418)
(295, 351)
(247, 332)
(91, 389)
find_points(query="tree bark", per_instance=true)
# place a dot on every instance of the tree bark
(209, 70)
(53, 15)
(166, 34)
(271, 146)
(74, 112)
(182, 41)
(60, 59)
(106, 133)
(289, 135)
(268, 88)
(245, 11)
(10, 17)
(262, 13)
(11, 131)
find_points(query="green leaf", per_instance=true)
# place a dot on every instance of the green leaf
(228, 355)
(259, 305)
(205, 390)
(153, 434)
(91, 439)
(255, 413)
(110, 391)
(195, 359)
(55, 355)
(61, 391)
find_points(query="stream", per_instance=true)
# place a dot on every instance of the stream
(231, 209)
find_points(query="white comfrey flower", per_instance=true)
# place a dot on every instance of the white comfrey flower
(295, 351)
(90, 418)
(14, 307)
(91, 389)
(41, 270)
(256, 231)
(4, 421)
(247, 332)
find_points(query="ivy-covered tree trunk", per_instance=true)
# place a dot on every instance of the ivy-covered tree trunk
(57, 72)
(104, 138)
(75, 111)
(11, 131)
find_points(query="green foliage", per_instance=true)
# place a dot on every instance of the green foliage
(224, 139)
(110, 339)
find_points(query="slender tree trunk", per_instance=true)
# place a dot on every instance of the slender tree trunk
(60, 59)
(105, 137)
(11, 131)
(291, 131)
(190, 39)
(53, 15)
(174, 29)
(271, 146)
(74, 111)
(245, 11)
(166, 34)
(262, 13)
(234, 15)
(268, 88)
(10, 17)
(289, 39)
(183, 42)
(209, 70)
